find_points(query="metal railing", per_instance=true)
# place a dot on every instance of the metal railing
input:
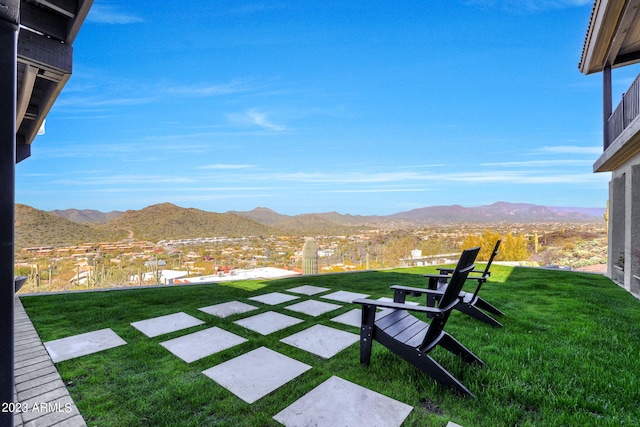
(626, 112)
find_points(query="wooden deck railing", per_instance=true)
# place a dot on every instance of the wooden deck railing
(625, 112)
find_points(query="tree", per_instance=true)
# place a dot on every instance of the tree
(486, 241)
(512, 247)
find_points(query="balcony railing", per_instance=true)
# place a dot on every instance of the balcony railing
(625, 113)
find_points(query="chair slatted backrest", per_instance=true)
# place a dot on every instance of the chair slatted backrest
(462, 270)
(493, 255)
(486, 270)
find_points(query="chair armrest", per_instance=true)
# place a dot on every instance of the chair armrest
(437, 276)
(449, 271)
(399, 306)
(416, 292)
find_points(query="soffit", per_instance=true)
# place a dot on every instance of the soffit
(47, 31)
(613, 36)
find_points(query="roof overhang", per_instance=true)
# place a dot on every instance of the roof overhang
(625, 146)
(47, 31)
(613, 36)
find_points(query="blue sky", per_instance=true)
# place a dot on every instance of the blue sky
(358, 107)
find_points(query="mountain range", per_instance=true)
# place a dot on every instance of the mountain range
(167, 221)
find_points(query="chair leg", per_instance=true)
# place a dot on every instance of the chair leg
(366, 333)
(432, 368)
(399, 296)
(480, 303)
(478, 314)
(432, 299)
(454, 346)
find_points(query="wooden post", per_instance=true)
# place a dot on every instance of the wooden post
(9, 21)
(607, 104)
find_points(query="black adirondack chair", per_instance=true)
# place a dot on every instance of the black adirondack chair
(412, 339)
(470, 303)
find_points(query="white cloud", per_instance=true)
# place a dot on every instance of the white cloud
(381, 190)
(419, 179)
(134, 180)
(101, 13)
(542, 163)
(225, 166)
(234, 86)
(256, 117)
(530, 5)
(572, 149)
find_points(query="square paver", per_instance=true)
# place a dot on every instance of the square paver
(227, 309)
(267, 323)
(351, 318)
(165, 324)
(313, 308)
(354, 317)
(256, 374)
(337, 402)
(274, 298)
(322, 340)
(344, 296)
(308, 290)
(202, 343)
(83, 344)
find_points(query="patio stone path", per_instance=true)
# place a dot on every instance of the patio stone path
(82, 344)
(165, 324)
(249, 376)
(202, 343)
(308, 290)
(337, 402)
(227, 309)
(313, 308)
(344, 296)
(351, 318)
(256, 374)
(322, 340)
(273, 298)
(268, 322)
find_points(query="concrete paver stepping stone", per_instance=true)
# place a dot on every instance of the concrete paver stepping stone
(227, 309)
(351, 318)
(202, 343)
(256, 374)
(267, 323)
(322, 340)
(344, 296)
(83, 344)
(274, 298)
(354, 317)
(308, 290)
(313, 308)
(337, 402)
(165, 324)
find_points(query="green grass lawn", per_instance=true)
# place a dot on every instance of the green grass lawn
(568, 354)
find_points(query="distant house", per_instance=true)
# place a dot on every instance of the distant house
(612, 41)
(155, 263)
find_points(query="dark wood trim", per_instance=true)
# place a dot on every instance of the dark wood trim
(607, 104)
(8, 80)
(47, 54)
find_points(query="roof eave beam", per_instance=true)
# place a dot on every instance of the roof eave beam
(81, 14)
(53, 60)
(627, 20)
(26, 89)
